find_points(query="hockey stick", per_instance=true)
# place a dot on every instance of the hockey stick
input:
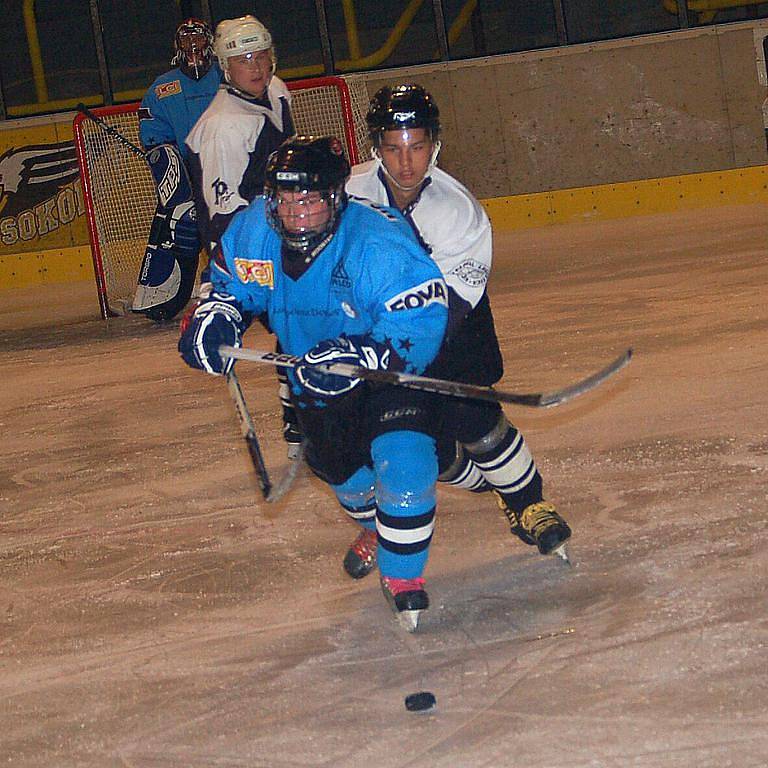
(441, 386)
(115, 134)
(270, 492)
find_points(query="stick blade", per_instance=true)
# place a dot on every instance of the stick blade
(283, 485)
(585, 385)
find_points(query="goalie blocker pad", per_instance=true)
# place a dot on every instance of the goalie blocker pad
(168, 271)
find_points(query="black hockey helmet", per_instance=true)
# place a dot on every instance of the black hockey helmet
(307, 164)
(404, 106)
(193, 48)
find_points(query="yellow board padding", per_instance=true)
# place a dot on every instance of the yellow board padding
(632, 198)
(61, 265)
(606, 201)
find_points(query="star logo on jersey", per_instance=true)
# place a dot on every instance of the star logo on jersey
(255, 271)
(168, 89)
(405, 344)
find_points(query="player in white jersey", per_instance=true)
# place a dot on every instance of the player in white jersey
(344, 281)
(247, 120)
(479, 449)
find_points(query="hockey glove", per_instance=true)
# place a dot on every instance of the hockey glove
(214, 322)
(352, 350)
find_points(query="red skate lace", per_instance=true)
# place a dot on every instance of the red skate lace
(396, 586)
(364, 545)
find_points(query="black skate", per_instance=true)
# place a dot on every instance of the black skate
(292, 435)
(407, 598)
(360, 559)
(539, 525)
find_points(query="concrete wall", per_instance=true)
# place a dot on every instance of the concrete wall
(645, 107)
(683, 109)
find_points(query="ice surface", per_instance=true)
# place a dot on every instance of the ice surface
(156, 613)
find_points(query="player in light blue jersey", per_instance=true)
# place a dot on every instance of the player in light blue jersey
(169, 109)
(176, 99)
(340, 280)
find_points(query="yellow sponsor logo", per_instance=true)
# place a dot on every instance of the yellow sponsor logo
(168, 89)
(42, 219)
(255, 271)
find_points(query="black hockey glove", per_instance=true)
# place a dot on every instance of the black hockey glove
(352, 350)
(216, 321)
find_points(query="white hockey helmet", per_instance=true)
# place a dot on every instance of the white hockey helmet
(235, 37)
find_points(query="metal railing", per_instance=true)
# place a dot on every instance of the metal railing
(357, 61)
(707, 9)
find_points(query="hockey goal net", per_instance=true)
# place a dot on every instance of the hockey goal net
(119, 191)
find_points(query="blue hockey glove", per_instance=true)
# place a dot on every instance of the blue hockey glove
(353, 350)
(214, 322)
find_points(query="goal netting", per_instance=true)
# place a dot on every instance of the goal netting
(119, 191)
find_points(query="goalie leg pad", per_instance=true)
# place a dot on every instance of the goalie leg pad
(169, 268)
(175, 223)
(170, 175)
(165, 284)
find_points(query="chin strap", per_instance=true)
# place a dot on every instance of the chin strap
(430, 167)
(244, 94)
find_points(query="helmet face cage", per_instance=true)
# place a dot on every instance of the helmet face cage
(301, 166)
(193, 46)
(305, 239)
(405, 106)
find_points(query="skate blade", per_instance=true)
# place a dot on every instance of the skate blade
(409, 620)
(562, 553)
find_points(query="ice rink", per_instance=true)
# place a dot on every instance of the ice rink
(155, 613)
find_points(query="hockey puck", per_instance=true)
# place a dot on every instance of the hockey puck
(420, 702)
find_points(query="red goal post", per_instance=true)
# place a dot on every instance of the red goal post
(119, 191)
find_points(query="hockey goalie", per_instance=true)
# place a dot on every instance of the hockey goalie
(168, 111)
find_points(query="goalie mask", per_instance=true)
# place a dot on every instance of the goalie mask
(193, 46)
(403, 108)
(305, 193)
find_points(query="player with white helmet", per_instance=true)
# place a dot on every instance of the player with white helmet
(478, 448)
(169, 109)
(247, 120)
(244, 40)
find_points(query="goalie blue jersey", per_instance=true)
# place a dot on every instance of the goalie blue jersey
(173, 104)
(373, 278)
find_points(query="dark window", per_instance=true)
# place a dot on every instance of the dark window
(744, 12)
(588, 20)
(499, 26)
(138, 40)
(49, 58)
(296, 35)
(384, 33)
